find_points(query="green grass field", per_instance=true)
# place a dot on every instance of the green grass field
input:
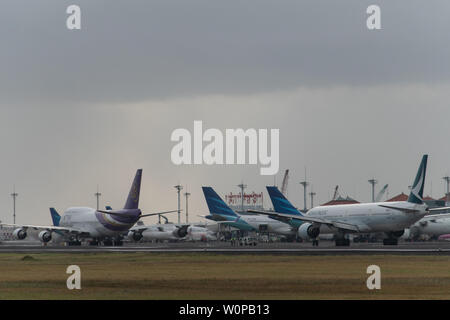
(210, 276)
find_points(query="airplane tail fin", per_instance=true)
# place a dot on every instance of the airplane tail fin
(133, 196)
(280, 203)
(416, 195)
(55, 217)
(215, 203)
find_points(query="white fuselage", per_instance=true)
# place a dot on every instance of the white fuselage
(200, 234)
(160, 232)
(370, 217)
(259, 222)
(432, 225)
(85, 220)
(165, 232)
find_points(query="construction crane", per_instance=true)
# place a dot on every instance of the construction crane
(285, 182)
(381, 193)
(336, 193)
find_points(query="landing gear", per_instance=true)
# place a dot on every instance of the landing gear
(390, 242)
(118, 243)
(315, 243)
(94, 242)
(74, 243)
(342, 242)
(113, 242)
(392, 238)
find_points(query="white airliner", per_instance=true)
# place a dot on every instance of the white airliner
(223, 214)
(170, 232)
(433, 226)
(86, 223)
(391, 218)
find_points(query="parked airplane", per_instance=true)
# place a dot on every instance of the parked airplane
(221, 212)
(434, 225)
(86, 223)
(170, 232)
(197, 233)
(391, 218)
(159, 232)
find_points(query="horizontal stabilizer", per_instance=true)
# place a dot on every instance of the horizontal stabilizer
(335, 224)
(157, 213)
(115, 213)
(439, 209)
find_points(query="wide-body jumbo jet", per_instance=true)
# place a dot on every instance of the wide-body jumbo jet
(223, 214)
(79, 223)
(390, 218)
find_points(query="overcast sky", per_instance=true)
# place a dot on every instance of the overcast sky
(88, 107)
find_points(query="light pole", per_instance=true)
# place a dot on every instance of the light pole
(97, 195)
(242, 186)
(312, 194)
(373, 182)
(14, 195)
(179, 188)
(187, 194)
(447, 179)
(304, 184)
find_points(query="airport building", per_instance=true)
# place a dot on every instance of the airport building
(250, 201)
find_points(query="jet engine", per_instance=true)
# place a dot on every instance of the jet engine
(45, 236)
(135, 236)
(308, 231)
(181, 232)
(19, 234)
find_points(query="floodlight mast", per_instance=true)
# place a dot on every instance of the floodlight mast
(447, 179)
(179, 188)
(242, 186)
(14, 196)
(98, 195)
(187, 194)
(373, 182)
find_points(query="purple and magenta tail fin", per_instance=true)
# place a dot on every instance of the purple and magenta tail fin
(133, 196)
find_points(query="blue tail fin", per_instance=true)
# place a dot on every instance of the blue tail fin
(280, 203)
(133, 196)
(215, 204)
(55, 217)
(108, 208)
(416, 195)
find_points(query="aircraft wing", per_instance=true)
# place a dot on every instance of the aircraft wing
(49, 228)
(337, 224)
(438, 209)
(139, 229)
(120, 214)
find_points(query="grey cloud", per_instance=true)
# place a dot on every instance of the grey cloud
(138, 50)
